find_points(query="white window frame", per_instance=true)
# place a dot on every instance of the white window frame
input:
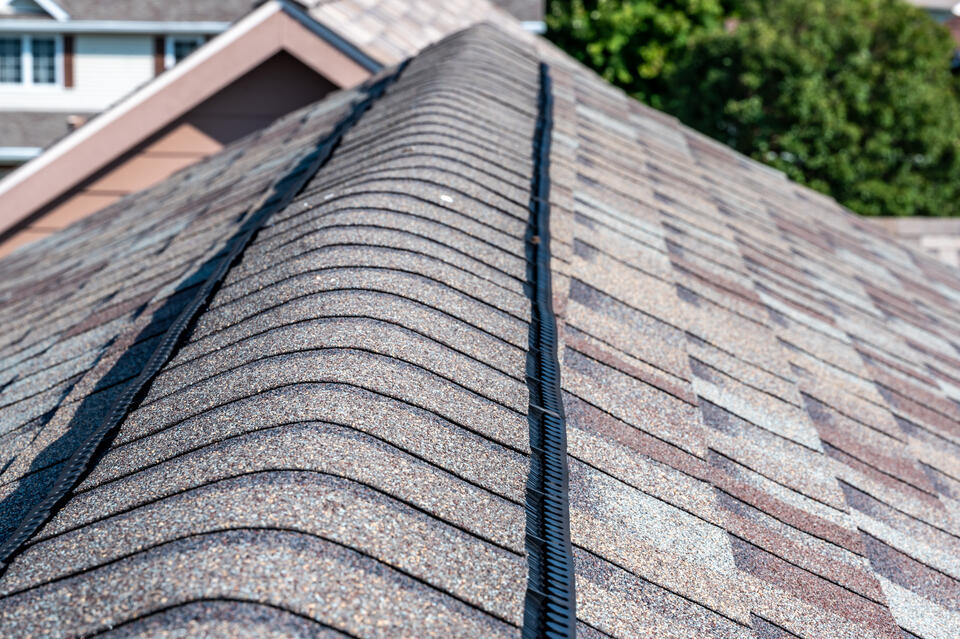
(169, 60)
(26, 62)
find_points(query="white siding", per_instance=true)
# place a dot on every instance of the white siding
(108, 67)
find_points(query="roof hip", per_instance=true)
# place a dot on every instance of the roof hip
(275, 199)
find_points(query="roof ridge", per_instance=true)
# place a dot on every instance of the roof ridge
(275, 199)
(550, 603)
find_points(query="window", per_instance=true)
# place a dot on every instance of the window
(44, 61)
(31, 60)
(179, 47)
(11, 65)
(183, 48)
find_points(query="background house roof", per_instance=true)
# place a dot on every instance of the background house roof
(944, 5)
(762, 391)
(527, 10)
(392, 30)
(34, 129)
(156, 10)
(230, 10)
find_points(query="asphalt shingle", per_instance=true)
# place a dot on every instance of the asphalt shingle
(762, 392)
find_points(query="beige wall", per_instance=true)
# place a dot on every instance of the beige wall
(276, 87)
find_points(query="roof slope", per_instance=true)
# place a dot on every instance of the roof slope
(82, 311)
(390, 31)
(385, 326)
(762, 392)
(32, 129)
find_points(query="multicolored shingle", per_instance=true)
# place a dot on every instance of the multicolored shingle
(762, 392)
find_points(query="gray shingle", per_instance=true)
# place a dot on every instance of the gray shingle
(762, 394)
(422, 417)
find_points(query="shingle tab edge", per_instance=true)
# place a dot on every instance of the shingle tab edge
(550, 603)
(277, 198)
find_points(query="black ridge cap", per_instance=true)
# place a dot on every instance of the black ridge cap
(550, 603)
(283, 191)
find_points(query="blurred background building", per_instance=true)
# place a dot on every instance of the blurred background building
(63, 63)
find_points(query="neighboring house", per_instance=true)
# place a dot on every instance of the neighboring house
(64, 60)
(481, 348)
(224, 91)
(529, 12)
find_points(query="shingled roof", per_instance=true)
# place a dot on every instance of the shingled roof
(155, 10)
(351, 435)
(423, 13)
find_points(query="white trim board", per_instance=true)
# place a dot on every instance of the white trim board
(534, 26)
(19, 153)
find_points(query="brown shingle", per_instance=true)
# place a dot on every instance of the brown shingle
(761, 393)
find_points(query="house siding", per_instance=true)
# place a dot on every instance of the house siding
(109, 67)
(98, 70)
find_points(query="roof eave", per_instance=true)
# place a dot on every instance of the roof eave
(16, 154)
(295, 11)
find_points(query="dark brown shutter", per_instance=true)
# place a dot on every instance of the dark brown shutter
(158, 55)
(68, 61)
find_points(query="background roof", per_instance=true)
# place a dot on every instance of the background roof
(229, 10)
(34, 129)
(156, 10)
(392, 30)
(935, 4)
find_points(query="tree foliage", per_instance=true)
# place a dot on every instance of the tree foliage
(634, 44)
(851, 97)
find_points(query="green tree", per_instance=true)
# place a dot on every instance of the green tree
(632, 43)
(851, 97)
